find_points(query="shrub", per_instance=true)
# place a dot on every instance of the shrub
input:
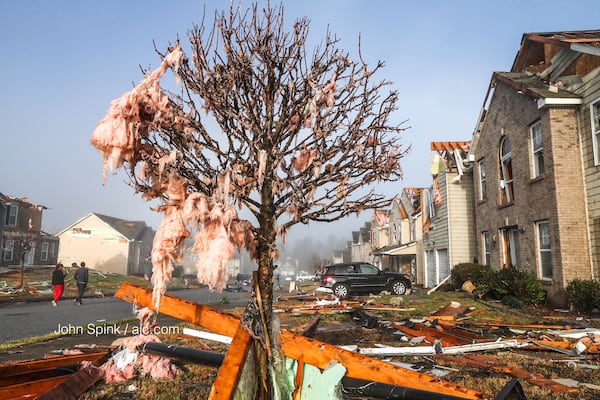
(518, 283)
(487, 283)
(584, 295)
(523, 285)
(462, 272)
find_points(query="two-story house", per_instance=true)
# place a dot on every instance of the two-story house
(360, 248)
(537, 161)
(402, 250)
(448, 215)
(21, 234)
(108, 244)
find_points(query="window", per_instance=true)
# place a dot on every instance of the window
(595, 114)
(52, 250)
(44, 254)
(537, 150)
(486, 246)
(8, 250)
(11, 218)
(506, 174)
(482, 181)
(544, 250)
(368, 269)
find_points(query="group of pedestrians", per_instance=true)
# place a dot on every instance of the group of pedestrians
(81, 277)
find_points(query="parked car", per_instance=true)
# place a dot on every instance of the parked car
(305, 276)
(348, 278)
(243, 279)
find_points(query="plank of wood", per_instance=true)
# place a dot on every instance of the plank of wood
(314, 352)
(27, 366)
(76, 385)
(31, 389)
(227, 380)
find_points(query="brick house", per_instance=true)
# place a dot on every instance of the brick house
(21, 230)
(537, 163)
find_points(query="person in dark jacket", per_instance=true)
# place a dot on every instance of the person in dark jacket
(81, 277)
(58, 283)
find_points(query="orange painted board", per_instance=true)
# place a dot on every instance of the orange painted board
(314, 352)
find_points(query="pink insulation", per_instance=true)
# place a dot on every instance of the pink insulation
(167, 248)
(129, 117)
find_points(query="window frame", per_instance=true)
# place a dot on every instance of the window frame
(9, 248)
(486, 245)
(595, 125)
(538, 167)
(540, 250)
(507, 182)
(44, 252)
(12, 217)
(510, 247)
(482, 180)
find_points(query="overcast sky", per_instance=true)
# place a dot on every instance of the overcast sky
(64, 61)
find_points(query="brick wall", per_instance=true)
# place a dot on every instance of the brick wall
(557, 196)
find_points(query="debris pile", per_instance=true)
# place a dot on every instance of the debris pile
(420, 361)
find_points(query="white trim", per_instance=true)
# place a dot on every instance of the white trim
(558, 101)
(594, 129)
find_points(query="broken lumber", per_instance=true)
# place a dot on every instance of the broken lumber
(314, 352)
(493, 364)
(75, 385)
(230, 372)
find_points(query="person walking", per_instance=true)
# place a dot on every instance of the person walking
(81, 277)
(58, 283)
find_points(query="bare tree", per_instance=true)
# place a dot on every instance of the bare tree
(21, 242)
(259, 124)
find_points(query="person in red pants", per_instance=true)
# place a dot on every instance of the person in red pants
(58, 283)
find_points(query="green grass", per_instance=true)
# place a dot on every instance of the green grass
(37, 282)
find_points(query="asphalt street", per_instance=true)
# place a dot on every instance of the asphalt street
(38, 318)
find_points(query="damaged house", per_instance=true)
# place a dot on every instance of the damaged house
(21, 232)
(448, 217)
(536, 153)
(108, 244)
(397, 234)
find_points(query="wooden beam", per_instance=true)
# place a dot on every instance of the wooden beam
(31, 389)
(28, 366)
(314, 352)
(77, 384)
(227, 380)
(185, 310)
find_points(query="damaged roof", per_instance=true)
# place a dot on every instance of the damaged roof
(533, 86)
(538, 48)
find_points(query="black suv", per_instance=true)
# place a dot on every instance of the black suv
(347, 278)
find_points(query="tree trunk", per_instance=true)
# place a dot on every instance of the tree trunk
(264, 287)
(22, 271)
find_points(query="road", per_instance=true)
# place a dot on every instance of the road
(25, 320)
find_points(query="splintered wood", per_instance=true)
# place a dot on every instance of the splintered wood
(313, 352)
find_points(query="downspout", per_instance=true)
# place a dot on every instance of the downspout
(448, 214)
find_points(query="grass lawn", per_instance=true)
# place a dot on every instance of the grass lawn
(37, 284)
